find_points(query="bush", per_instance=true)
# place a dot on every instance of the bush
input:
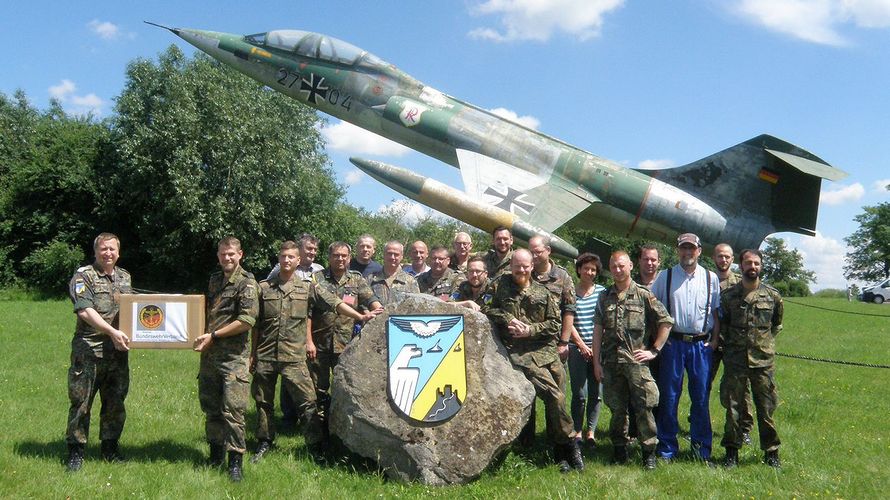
(49, 268)
(831, 293)
(792, 288)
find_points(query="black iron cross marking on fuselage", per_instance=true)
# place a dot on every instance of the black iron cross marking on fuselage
(314, 88)
(511, 200)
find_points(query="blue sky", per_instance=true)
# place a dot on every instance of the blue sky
(642, 83)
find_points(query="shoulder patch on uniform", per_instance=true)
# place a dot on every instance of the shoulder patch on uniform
(486, 299)
(79, 287)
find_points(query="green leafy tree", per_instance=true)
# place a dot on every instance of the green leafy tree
(783, 269)
(202, 152)
(870, 259)
(49, 193)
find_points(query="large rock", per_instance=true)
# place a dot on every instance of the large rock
(496, 405)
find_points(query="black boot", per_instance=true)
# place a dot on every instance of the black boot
(111, 452)
(772, 459)
(217, 455)
(235, 466)
(620, 455)
(573, 454)
(261, 449)
(559, 456)
(649, 460)
(731, 459)
(75, 457)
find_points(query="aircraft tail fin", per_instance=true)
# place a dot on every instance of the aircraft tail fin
(773, 180)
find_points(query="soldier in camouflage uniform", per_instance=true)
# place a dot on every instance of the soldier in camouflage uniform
(473, 293)
(280, 342)
(526, 317)
(393, 282)
(621, 341)
(332, 331)
(497, 260)
(752, 314)
(223, 389)
(440, 281)
(723, 257)
(99, 361)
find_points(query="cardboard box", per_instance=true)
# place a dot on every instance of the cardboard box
(157, 321)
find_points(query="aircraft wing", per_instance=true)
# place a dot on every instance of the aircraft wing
(536, 200)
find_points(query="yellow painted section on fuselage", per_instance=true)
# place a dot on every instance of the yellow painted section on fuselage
(452, 371)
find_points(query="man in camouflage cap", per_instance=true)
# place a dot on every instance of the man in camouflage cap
(223, 388)
(621, 339)
(526, 317)
(99, 360)
(332, 331)
(440, 281)
(752, 316)
(392, 282)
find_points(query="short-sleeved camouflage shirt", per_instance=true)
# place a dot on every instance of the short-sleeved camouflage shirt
(90, 287)
(465, 292)
(442, 287)
(283, 314)
(388, 288)
(749, 323)
(624, 317)
(560, 284)
(533, 305)
(331, 331)
(497, 266)
(228, 300)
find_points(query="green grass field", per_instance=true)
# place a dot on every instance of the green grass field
(832, 421)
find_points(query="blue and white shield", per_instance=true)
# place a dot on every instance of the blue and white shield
(427, 379)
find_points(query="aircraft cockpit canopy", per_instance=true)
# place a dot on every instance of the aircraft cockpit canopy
(315, 45)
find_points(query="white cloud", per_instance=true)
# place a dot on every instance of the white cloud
(538, 19)
(410, 212)
(824, 256)
(816, 21)
(353, 177)
(657, 164)
(74, 103)
(104, 29)
(880, 186)
(350, 139)
(842, 194)
(527, 121)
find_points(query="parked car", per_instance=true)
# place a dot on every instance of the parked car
(878, 293)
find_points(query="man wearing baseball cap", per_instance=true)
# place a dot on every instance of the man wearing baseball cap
(691, 295)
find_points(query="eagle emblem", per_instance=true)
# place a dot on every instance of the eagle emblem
(427, 379)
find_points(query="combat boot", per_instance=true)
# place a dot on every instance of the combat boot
(649, 460)
(731, 459)
(111, 452)
(261, 449)
(235, 467)
(75, 457)
(772, 459)
(217, 455)
(619, 455)
(573, 454)
(559, 456)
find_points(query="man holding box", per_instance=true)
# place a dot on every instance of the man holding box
(223, 376)
(99, 361)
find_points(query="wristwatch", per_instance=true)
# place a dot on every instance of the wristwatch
(213, 335)
(561, 342)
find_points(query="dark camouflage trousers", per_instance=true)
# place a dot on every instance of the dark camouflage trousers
(746, 406)
(296, 381)
(733, 390)
(110, 377)
(550, 384)
(625, 386)
(320, 369)
(223, 390)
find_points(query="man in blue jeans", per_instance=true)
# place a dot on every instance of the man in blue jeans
(691, 295)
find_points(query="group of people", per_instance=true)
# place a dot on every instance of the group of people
(631, 342)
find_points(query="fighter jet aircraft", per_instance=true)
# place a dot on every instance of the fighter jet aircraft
(521, 178)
